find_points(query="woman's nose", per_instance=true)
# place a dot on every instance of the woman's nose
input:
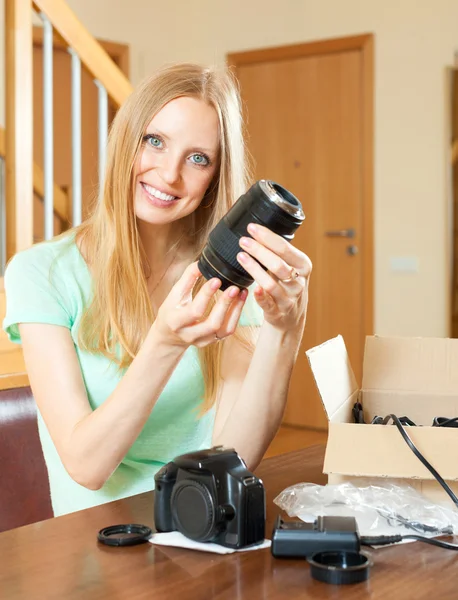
(170, 169)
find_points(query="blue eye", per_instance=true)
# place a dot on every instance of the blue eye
(153, 140)
(200, 159)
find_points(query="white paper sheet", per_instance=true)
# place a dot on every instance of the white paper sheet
(177, 539)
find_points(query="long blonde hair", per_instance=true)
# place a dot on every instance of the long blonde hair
(118, 319)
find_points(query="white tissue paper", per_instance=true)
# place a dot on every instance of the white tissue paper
(177, 539)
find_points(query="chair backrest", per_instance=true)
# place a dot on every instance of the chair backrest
(24, 487)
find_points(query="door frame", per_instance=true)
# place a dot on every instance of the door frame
(365, 44)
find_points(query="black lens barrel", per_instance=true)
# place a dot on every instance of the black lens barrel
(265, 203)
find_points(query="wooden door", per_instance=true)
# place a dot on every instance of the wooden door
(62, 124)
(309, 127)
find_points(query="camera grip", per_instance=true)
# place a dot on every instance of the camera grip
(164, 482)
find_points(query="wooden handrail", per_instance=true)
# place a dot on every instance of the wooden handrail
(61, 206)
(454, 152)
(60, 197)
(91, 53)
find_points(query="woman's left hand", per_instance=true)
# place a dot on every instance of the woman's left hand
(283, 288)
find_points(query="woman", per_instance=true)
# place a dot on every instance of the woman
(122, 335)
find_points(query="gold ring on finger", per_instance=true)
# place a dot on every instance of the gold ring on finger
(294, 275)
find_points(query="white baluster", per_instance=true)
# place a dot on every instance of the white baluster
(48, 126)
(77, 209)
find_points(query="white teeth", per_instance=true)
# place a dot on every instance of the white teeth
(158, 194)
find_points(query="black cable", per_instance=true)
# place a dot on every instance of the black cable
(415, 525)
(384, 540)
(358, 415)
(443, 422)
(420, 456)
(438, 422)
(432, 541)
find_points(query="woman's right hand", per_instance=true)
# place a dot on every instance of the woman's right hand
(181, 318)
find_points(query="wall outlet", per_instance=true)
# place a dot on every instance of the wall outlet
(404, 264)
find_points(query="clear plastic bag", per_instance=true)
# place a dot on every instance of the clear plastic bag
(379, 510)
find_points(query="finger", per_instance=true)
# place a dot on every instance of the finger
(281, 247)
(184, 286)
(263, 278)
(233, 314)
(220, 312)
(213, 323)
(199, 305)
(265, 300)
(273, 262)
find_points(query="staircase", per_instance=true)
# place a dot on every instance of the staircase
(25, 180)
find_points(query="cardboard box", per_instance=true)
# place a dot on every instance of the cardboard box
(413, 377)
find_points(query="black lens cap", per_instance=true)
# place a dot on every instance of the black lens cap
(124, 535)
(340, 567)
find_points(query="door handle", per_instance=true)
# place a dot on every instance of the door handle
(345, 233)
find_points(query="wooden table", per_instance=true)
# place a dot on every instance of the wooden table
(60, 559)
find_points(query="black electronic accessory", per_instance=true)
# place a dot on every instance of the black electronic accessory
(332, 545)
(296, 538)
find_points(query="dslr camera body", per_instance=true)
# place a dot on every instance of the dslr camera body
(211, 496)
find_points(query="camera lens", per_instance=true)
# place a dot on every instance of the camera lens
(266, 203)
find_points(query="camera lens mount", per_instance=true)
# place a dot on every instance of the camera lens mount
(194, 511)
(282, 198)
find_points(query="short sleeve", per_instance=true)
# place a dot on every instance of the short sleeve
(31, 294)
(252, 313)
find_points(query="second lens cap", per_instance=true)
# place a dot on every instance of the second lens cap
(340, 567)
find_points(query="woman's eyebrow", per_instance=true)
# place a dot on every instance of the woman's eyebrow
(156, 130)
(205, 150)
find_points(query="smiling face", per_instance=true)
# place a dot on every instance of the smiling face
(177, 162)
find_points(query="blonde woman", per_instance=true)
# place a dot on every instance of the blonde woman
(121, 333)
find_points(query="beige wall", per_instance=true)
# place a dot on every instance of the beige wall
(415, 43)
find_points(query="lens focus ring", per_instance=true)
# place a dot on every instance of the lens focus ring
(226, 243)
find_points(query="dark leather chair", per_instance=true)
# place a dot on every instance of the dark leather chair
(24, 488)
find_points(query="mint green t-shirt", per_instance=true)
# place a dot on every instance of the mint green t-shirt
(50, 283)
